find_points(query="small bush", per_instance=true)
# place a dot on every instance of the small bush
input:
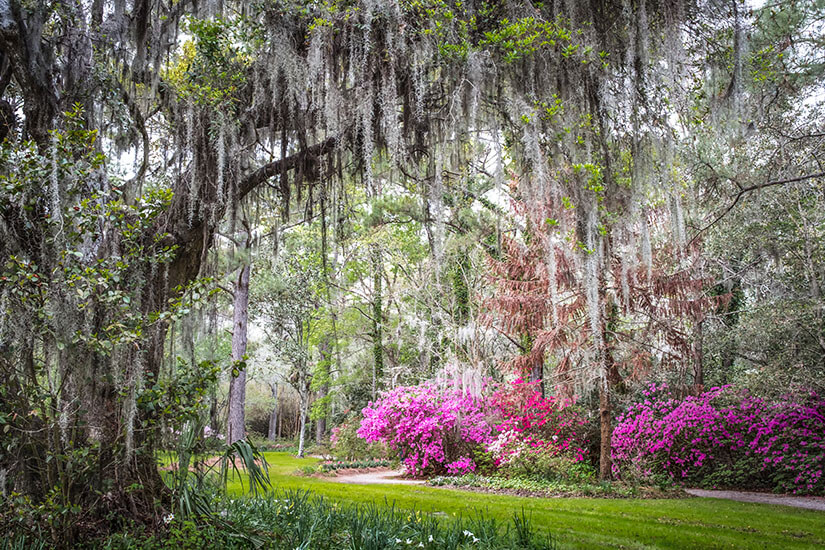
(550, 465)
(347, 445)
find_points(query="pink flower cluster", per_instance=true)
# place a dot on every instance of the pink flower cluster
(432, 429)
(436, 430)
(531, 423)
(724, 435)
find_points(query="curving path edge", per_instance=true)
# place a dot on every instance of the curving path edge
(809, 503)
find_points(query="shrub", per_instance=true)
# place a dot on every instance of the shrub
(536, 435)
(724, 437)
(432, 429)
(551, 465)
(346, 444)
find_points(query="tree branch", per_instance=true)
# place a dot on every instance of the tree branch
(254, 179)
(745, 190)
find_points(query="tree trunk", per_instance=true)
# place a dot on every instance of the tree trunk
(377, 322)
(698, 359)
(302, 413)
(235, 425)
(537, 374)
(272, 432)
(606, 430)
(322, 374)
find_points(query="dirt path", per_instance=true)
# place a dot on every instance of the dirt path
(393, 477)
(386, 477)
(811, 503)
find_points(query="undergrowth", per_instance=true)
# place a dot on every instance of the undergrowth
(297, 519)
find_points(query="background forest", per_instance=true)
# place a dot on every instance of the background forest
(548, 240)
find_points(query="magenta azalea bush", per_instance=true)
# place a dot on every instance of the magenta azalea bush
(724, 437)
(434, 430)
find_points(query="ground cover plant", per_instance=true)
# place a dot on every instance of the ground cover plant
(541, 486)
(334, 465)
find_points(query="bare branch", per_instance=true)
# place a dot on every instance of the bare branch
(744, 190)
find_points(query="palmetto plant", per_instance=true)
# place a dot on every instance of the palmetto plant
(196, 479)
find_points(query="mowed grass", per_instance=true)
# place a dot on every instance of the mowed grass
(587, 522)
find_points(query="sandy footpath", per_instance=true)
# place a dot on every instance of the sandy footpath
(810, 503)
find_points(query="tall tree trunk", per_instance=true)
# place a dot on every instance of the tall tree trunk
(325, 351)
(235, 424)
(272, 432)
(377, 321)
(605, 429)
(610, 378)
(302, 412)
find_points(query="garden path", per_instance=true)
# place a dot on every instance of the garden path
(393, 477)
(388, 477)
(810, 503)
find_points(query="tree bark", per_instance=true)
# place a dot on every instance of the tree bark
(303, 392)
(698, 359)
(235, 425)
(326, 360)
(605, 429)
(272, 432)
(377, 321)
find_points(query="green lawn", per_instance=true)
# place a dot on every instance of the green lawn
(591, 523)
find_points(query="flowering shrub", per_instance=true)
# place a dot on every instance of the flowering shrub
(531, 425)
(432, 429)
(724, 437)
(437, 430)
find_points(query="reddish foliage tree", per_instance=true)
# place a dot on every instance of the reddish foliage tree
(601, 309)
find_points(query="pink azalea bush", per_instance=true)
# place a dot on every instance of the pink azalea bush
(434, 430)
(537, 436)
(532, 424)
(437, 430)
(724, 437)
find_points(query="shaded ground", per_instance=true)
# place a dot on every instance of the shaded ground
(810, 503)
